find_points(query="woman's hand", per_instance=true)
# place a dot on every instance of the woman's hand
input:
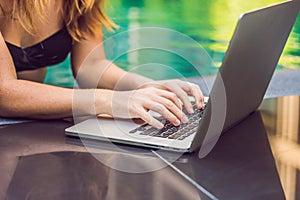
(182, 90)
(137, 103)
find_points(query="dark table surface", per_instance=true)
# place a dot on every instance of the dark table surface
(257, 159)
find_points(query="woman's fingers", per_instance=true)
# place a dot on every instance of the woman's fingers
(197, 93)
(166, 102)
(171, 96)
(161, 109)
(177, 112)
(161, 101)
(150, 120)
(181, 90)
(185, 100)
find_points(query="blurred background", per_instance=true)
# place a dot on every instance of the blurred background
(209, 22)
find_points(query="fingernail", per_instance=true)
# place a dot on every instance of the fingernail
(185, 119)
(191, 111)
(177, 123)
(160, 126)
(200, 105)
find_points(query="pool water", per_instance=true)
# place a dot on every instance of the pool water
(208, 23)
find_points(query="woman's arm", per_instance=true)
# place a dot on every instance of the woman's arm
(20, 98)
(92, 70)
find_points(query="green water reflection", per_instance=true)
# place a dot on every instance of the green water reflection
(209, 22)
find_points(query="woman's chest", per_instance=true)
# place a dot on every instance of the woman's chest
(15, 30)
(50, 45)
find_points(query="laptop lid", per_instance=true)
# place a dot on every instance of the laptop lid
(247, 68)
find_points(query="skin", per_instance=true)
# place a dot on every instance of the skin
(25, 95)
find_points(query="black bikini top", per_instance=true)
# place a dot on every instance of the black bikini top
(50, 51)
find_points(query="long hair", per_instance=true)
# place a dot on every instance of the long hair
(80, 16)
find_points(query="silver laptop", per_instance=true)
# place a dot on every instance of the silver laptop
(238, 90)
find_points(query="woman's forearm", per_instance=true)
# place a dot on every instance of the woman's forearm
(131, 81)
(19, 98)
(97, 73)
(117, 79)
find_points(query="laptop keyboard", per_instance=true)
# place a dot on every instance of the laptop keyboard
(170, 131)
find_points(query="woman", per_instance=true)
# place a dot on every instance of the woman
(37, 33)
